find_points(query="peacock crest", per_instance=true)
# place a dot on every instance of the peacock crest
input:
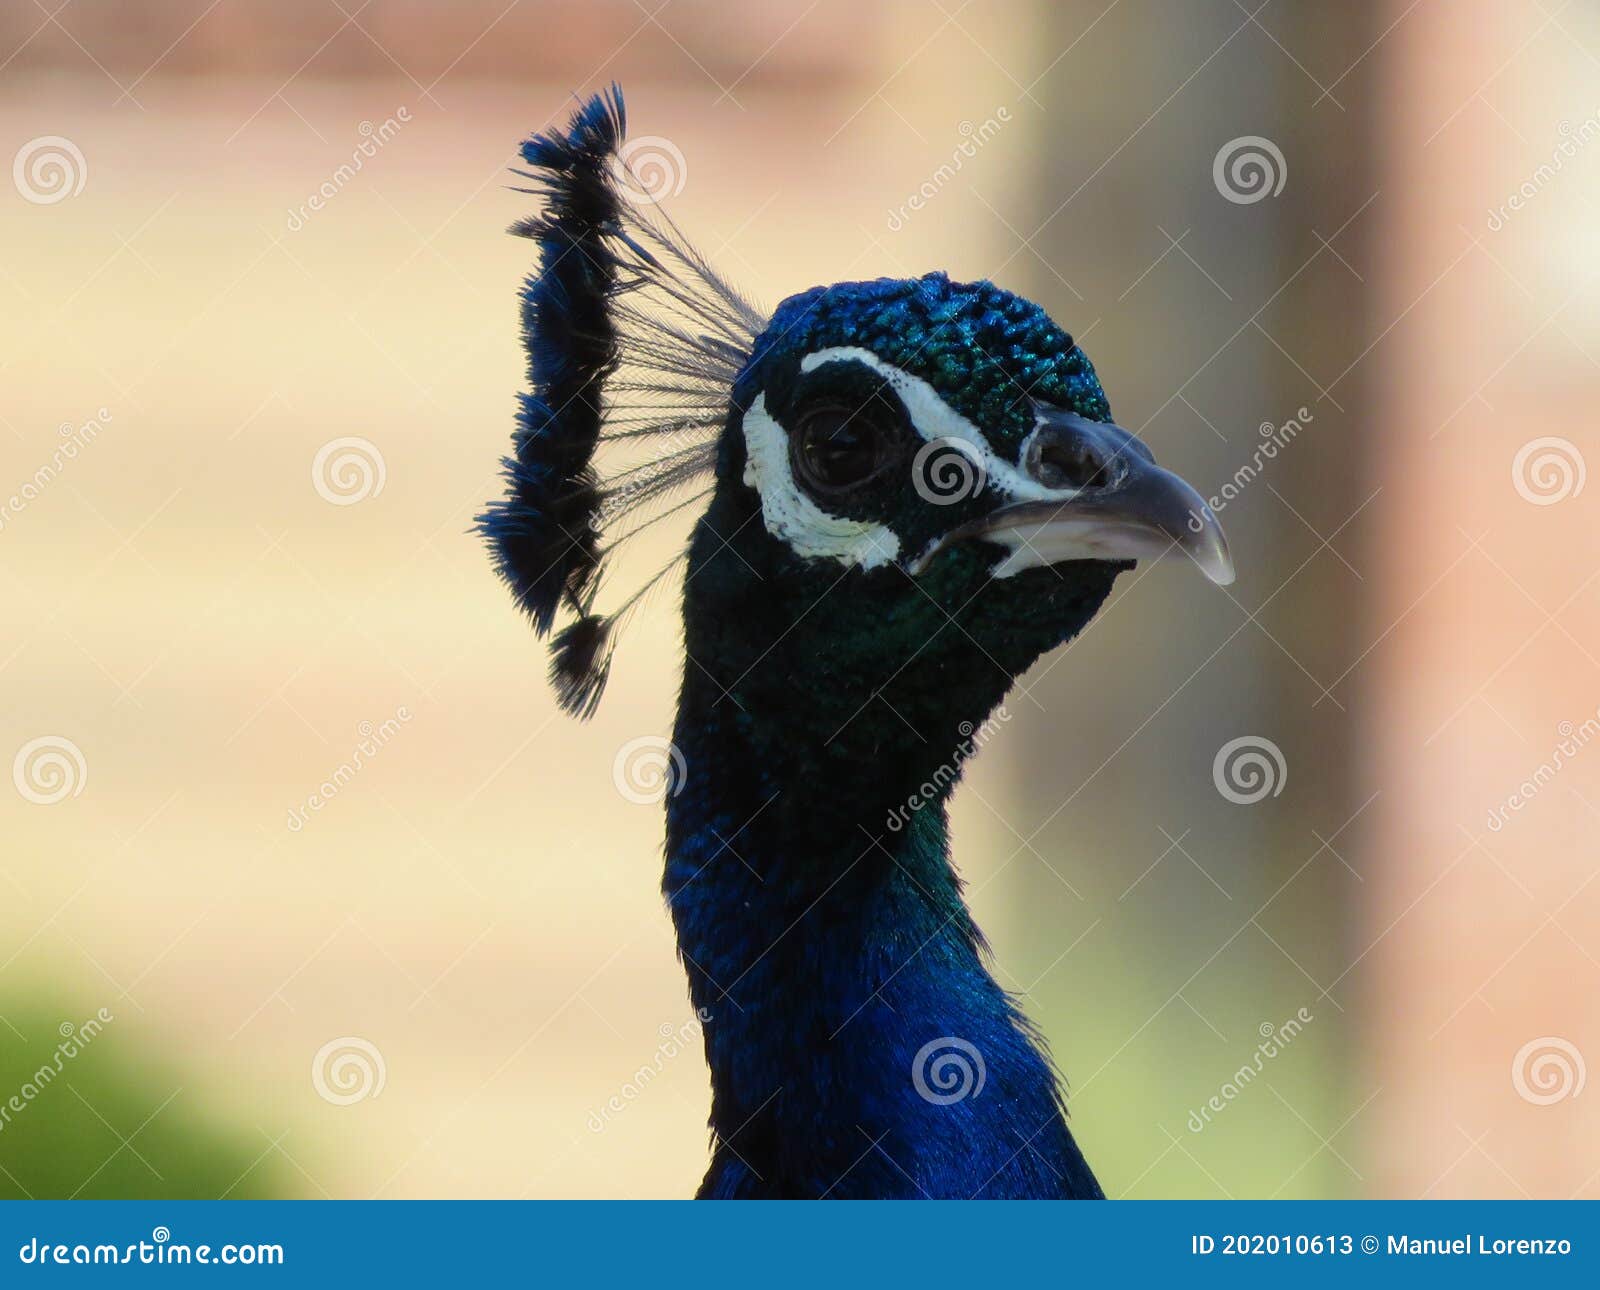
(633, 342)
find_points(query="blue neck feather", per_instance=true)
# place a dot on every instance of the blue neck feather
(828, 957)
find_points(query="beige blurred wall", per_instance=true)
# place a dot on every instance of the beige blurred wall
(1480, 941)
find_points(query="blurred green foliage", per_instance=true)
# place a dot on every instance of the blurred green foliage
(86, 1113)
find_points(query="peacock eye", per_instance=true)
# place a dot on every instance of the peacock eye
(835, 447)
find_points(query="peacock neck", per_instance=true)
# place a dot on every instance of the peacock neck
(857, 1044)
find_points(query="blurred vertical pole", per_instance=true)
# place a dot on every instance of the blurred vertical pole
(1485, 960)
(1213, 320)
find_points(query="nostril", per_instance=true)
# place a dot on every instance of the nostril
(1070, 463)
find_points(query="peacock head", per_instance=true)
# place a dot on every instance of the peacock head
(935, 453)
(915, 486)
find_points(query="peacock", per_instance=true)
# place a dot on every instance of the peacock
(908, 491)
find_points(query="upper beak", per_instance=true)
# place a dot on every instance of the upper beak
(1114, 503)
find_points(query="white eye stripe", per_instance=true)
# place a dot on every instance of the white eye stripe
(794, 518)
(932, 418)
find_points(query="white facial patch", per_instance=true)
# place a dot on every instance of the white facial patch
(792, 516)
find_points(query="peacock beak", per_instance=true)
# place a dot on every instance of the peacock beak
(1101, 496)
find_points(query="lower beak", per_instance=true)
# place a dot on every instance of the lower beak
(1124, 507)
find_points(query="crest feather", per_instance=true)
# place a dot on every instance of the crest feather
(633, 344)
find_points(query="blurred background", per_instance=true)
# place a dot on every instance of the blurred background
(307, 890)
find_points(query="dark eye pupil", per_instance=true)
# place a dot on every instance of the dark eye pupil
(838, 448)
